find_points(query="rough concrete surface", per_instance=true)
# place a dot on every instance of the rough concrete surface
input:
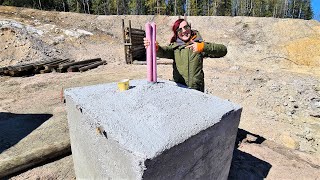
(140, 130)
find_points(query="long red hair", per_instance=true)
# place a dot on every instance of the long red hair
(174, 29)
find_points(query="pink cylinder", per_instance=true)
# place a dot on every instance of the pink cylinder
(149, 53)
(154, 52)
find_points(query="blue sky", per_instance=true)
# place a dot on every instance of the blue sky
(316, 9)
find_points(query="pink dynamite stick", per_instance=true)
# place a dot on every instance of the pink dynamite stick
(154, 52)
(149, 53)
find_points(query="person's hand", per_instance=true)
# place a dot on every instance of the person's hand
(146, 42)
(196, 47)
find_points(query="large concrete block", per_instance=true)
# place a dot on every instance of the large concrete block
(152, 131)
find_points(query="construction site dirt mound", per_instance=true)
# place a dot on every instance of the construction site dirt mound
(22, 44)
(272, 70)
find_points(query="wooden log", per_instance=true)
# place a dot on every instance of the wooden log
(6, 72)
(45, 71)
(3, 69)
(40, 65)
(14, 72)
(25, 68)
(94, 65)
(51, 66)
(66, 65)
(75, 68)
(20, 162)
(10, 67)
(56, 65)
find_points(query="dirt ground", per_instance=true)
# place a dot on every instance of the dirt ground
(272, 70)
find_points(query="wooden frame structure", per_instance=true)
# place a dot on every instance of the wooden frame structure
(133, 43)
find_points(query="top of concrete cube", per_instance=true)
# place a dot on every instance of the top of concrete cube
(149, 118)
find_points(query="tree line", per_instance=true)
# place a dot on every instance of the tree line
(259, 8)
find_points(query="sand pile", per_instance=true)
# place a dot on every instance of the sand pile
(21, 43)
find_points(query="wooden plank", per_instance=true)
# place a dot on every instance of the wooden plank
(137, 48)
(134, 43)
(124, 40)
(138, 30)
(135, 33)
(130, 36)
(137, 39)
(94, 65)
(135, 36)
(139, 54)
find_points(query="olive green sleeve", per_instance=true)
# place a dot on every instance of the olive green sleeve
(214, 50)
(165, 52)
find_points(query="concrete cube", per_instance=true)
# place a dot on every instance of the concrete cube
(151, 131)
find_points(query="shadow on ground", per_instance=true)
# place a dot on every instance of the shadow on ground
(14, 127)
(244, 165)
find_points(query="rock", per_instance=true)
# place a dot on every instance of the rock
(309, 137)
(315, 102)
(316, 88)
(250, 138)
(290, 113)
(291, 99)
(275, 88)
(288, 141)
(83, 32)
(234, 68)
(77, 33)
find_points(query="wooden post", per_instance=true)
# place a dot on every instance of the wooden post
(131, 58)
(124, 41)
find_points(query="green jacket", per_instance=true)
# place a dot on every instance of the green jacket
(187, 65)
